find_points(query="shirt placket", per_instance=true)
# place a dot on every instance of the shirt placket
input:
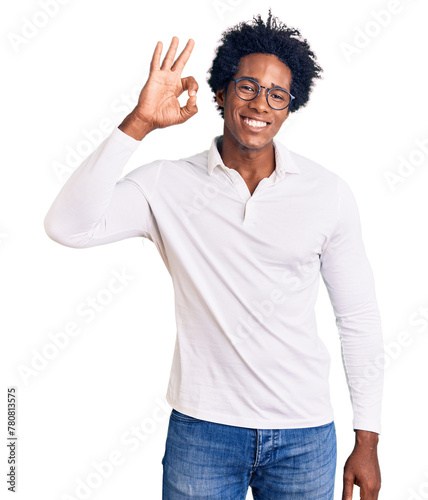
(249, 201)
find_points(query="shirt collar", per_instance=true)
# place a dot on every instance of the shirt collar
(283, 159)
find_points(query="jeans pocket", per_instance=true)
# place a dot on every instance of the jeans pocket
(181, 417)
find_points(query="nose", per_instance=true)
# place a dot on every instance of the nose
(260, 102)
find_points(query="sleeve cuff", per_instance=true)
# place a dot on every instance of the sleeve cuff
(367, 426)
(125, 139)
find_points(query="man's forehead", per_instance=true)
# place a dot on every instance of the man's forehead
(257, 63)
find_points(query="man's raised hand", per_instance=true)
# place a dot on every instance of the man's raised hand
(158, 105)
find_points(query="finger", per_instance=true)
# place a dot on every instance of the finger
(190, 84)
(155, 64)
(189, 110)
(348, 486)
(184, 56)
(169, 57)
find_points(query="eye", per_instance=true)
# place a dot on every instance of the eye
(278, 97)
(247, 88)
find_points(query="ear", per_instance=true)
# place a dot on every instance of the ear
(220, 97)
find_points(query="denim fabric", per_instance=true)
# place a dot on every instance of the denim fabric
(206, 460)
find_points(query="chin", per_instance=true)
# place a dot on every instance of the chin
(254, 142)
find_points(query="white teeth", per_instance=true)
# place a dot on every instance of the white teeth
(255, 123)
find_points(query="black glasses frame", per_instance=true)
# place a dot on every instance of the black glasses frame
(236, 80)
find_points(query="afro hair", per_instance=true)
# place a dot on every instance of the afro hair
(272, 37)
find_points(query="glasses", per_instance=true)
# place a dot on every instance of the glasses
(248, 89)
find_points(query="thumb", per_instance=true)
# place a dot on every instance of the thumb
(348, 486)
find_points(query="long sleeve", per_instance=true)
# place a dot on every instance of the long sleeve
(348, 277)
(95, 206)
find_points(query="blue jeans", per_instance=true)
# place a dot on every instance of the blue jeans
(206, 460)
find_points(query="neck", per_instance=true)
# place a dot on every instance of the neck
(250, 163)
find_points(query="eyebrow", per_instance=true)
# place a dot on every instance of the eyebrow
(257, 80)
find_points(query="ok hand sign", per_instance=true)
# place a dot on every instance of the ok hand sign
(158, 105)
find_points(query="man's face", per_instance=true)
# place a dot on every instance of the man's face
(270, 72)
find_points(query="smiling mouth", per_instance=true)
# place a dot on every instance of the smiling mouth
(253, 123)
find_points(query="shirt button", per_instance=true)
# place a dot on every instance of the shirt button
(236, 180)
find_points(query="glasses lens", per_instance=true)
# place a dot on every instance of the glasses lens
(278, 99)
(246, 89)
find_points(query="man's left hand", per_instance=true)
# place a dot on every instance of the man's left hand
(362, 467)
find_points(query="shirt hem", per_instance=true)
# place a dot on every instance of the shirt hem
(237, 421)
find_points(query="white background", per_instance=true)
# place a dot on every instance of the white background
(77, 70)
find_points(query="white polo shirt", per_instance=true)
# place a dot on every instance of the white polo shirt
(245, 270)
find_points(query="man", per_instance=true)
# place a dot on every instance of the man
(245, 230)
